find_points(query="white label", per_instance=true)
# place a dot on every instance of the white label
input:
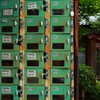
(31, 73)
(55, 37)
(6, 90)
(55, 89)
(8, 12)
(55, 20)
(31, 56)
(4, 3)
(30, 37)
(55, 3)
(32, 5)
(55, 71)
(6, 56)
(6, 38)
(4, 20)
(55, 54)
(6, 72)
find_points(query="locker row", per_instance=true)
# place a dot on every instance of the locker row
(35, 93)
(35, 59)
(35, 76)
(35, 25)
(11, 8)
(35, 42)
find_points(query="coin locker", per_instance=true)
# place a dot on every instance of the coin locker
(60, 8)
(34, 59)
(34, 8)
(9, 8)
(34, 42)
(60, 77)
(10, 59)
(34, 25)
(34, 77)
(60, 42)
(60, 60)
(9, 76)
(9, 25)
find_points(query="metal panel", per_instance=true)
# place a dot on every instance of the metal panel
(9, 25)
(9, 76)
(9, 8)
(9, 43)
(60, 42)
(60, 25)
(34, 59)
(60, 8)
(10, 59)
(60, 59)
(34, 42)
(34, 25)
(60, 77)
(34, 8)
(34, 77)
(34, 93)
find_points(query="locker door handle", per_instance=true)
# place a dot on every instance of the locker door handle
(41, 40)
(68, 93)
(72, 13)
(67, 58)
(16, 92)
(15, 23)
(67, 23)
(68, 75)
(42, 58)
(67, 40)
(16, 57)
(16, 6)
(67, 6)
(42, 75)
(17, 75)
(17, 41)
(41, 23)
(42, 92)
(42, 7)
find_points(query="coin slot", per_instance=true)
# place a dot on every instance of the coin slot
(7, 80)
(58, 80)
(33, 63)
(58, 12)
(32, 46)
(58, 29)
(58, 97)
(33, 12)
(58, 46)
(7, 63)
(7, 28)
(58, 63)
(32, 28)
(32, 80)
(7, 97)
(32, 97)
(7, 45)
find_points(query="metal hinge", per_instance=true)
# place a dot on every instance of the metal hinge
(72, 57)
(45, 57)
(72, 40)
(21, 57)
(45, 5)
(21, 23)
(46, 91)
(46, 40)
(20, 73)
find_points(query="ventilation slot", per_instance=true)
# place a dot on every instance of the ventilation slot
(58, 80)
(32, 29)
(32, 97)
(32, 80)
(7, 63)
(58, 63)
(7, 29)
(7, 80)
(58, 46)
(32, 46)
(58, 97)
(58, 12)
(7, 46)
(33, 12)
(33, 63)
(7, 97)
(58, 29)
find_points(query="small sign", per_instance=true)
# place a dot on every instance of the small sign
(6, 55)
(31, 56)
(6, 38)
(6, 90)
(8, 12)
(32, 5)
(31, 73)
(6, 72)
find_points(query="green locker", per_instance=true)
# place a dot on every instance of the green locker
(34, 77)
(34, 93)
(9, 8)
(60, 25)
(60, 93)
(34, 25)
(60, 77)
(34, 59)
(9, 25)
(60, 59)
(60, 42)
(9, 93)
(9, 43)
(34, 8)
(9, 76)
(34, 42)
(60, 8)
(10, 59)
